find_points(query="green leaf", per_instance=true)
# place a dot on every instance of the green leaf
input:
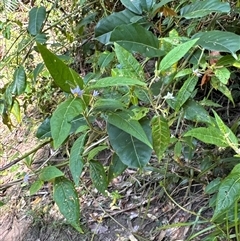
(176, 54)
(226, 132)
(115, 81)
(65, 196)
(185, 92)
(136, 38)
(106, 25)
(36, 19)
(131, 151)
(36, 186)
(61, 73)
(95, 151)
(108, 105)
(124, 122)
(147, 4)
(133, 6)
(19, 83)
(15, 110)
(116, 168)
(160, 134)
(209, 135)
(76, 161)
(227, 195)
(61, 119)
(98, 176)
(49, 173)
(213, 186)
(128, 62)
(223, 74)
(219, 41)
(200, 9)
(105, 59)
(44, 130)
(195, 112)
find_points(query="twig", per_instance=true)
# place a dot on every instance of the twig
(24, 156)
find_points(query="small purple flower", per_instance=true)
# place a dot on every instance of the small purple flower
(95, 93)
(77, 91)
(26, 178)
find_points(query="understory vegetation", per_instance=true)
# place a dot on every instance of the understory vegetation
(151, 85)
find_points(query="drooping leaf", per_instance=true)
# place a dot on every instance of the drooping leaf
(36, 186)
(176, 54)
(116, 168)
(114, 81)
(49, 173)
(221, 41)
(213, 186)
(18, 86)
(131, 151)
(61, 119)
(227, 195)
(136, 38)
(76, 161)
(95, 151)
(61, 73)
(134, 6)
(105, 59)
(65, 196)
(37, 16)
(160, 134)
(209, 135)
(128, 62)
(195, 112)
(15, 110)
(44, 130)
(98, 176)
(185, 92)
(37, 70)
(200, 9)
(124, 122)
(106, 25)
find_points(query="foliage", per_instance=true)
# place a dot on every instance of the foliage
(117, 106)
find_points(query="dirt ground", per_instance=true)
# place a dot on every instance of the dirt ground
(137, 214)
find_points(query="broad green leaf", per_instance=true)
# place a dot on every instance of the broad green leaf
(133, 6)
(49, 173)
(213, 186)
(61, 119)
(37, 16)
(128, 62)
(139, 112)
(227, 134)
(136, 38)
(116, 168)
(222, 88)
(16, 110)
(98, 176)
(36, 186)
(185, 92)
(108, 105)
(176, 54)
(160, 134)
(95, 151)
(124, 122)
(37, 71)
(106, 25)
(18, 86)
(44, 130)
(200, 9)
(105, 59)
(61, 73)
(227, 195)
(221, 41)
(195, 112)
(131, 151)
(223, 74)
(147, 4)
(209, 135)
(76, 161)
(65, 196)
(114, 81)
(79, 124)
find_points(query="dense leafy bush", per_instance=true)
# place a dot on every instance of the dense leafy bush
(157, 74)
